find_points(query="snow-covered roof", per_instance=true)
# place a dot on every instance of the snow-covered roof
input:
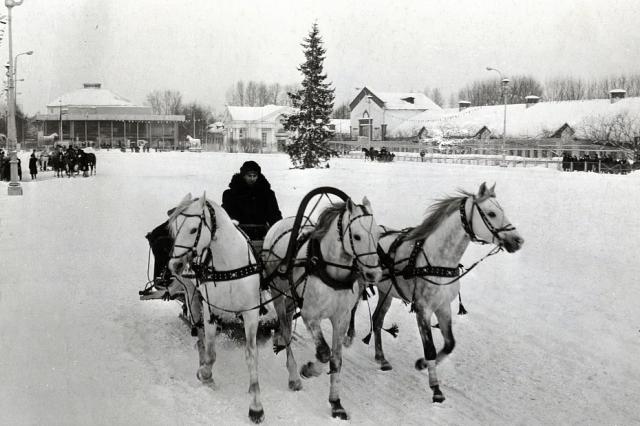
(413, 101)
(91, 95)
(401, 100)
(538, 120)
(245, 113)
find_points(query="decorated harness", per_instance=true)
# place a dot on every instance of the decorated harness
(410, 271)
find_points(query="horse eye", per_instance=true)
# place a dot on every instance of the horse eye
(193, 231)
(357, 237)
(491, 215)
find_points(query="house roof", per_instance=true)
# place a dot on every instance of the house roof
(245, 113)
(415, 101)
(539, 120)
(91, 95)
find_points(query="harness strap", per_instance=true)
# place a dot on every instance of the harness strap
(316, 265)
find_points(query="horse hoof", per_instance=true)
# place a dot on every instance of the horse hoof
(338, 411)
(437, 394)
(206, 377)
(385, 365)
(421, 364)
(256, 416)
(308, 371)
(295, 385)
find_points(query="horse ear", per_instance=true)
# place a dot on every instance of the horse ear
(492, 190)
(203, 200)
(367, 204)
(483, 190)
(186, 198)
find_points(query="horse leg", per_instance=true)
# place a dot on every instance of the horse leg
(351, 331)
(285, 318)
(444, 319)
(423, 317)
(250, 319)
(384, 303)
(323, 352)
(339, 323)
(208, 352)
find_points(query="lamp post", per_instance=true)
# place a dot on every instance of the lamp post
(14, 187)
(15, 85)
(504, 82)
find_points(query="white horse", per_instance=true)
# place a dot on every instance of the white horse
(49, 139)
(229, 276)
(421, 267)
(194, 144)
(324, 285)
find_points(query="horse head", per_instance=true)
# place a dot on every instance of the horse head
(190, 224)
(360, 234)
(490, 223)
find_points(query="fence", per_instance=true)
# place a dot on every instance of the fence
(481, 160)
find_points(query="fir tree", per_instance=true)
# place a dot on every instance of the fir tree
(314, 103)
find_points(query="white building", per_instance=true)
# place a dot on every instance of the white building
(255, 129)
(372, 113)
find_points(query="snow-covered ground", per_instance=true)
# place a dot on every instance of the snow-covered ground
(552, 335)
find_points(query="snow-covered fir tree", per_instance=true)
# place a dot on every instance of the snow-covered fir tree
(314, 102)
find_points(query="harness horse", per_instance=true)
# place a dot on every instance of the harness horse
(421, 267)
(313, 269)
(227, 273)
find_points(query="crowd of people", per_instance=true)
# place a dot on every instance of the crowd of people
(5, 167)
(593, 163)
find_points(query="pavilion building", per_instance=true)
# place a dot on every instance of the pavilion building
(93, 116)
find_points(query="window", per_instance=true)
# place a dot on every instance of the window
(264, 137)
(241, 132)
(365, 127)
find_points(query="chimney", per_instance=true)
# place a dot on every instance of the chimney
(531, 100)
(463, 105)
(92, 85)
(616, 94)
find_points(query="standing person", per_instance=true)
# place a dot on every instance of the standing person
(33, 165)
(250, 201)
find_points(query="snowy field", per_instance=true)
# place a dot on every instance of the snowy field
(552, 336)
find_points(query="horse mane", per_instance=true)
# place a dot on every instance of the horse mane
(325, 219)
(437, 213)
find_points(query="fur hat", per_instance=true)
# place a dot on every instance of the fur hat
(250, 166)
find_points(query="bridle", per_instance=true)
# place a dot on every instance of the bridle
(203, 224)
(467, 224)
(342, 233)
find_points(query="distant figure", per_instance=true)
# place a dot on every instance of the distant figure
(33, 165)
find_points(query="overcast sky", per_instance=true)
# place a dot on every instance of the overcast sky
(201, 47)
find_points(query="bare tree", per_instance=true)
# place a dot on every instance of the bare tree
(619, 130)
(342, 111)
(273, 91)
(165, 101)
(436, 97)
(490, 91)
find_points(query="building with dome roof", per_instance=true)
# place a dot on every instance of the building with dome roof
(93, 116)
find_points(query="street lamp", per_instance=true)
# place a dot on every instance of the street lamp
(15, 74)
(15, 84)
(14, 187)
(504, 82)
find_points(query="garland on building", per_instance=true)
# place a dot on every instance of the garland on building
(313, 103)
